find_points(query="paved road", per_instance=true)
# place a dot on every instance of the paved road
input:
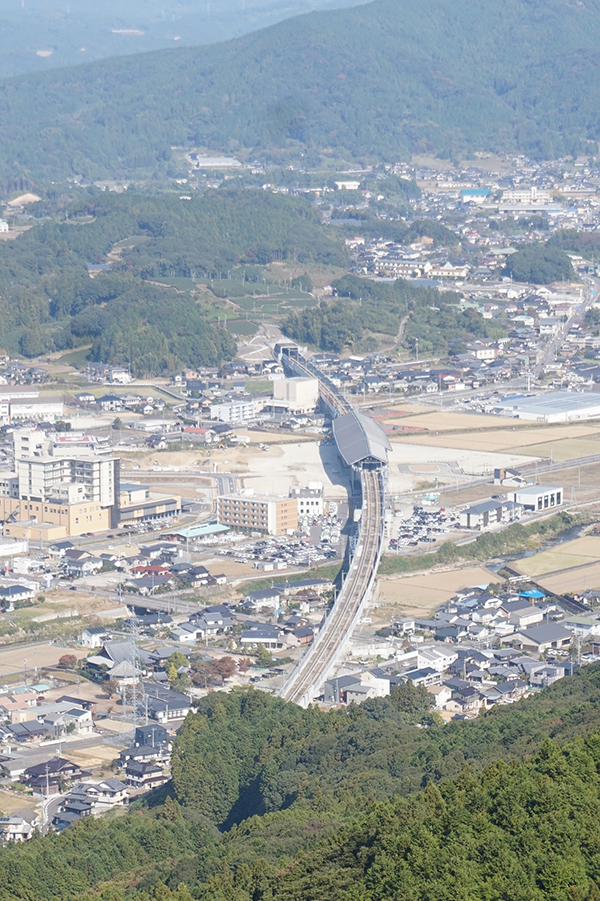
(558, 340)
(225, 481)
(49, 810)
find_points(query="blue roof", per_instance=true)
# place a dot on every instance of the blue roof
(533, 593)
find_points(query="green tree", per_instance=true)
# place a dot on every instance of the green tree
(410, 698)
(264, 657)
(171, 671)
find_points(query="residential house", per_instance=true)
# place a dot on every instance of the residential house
(10, 594)
(19, 826)
(144, 775)
(160, 703)
(257, 633)
(93, 637)
(539, 639)
(44, 776)
(260, 599)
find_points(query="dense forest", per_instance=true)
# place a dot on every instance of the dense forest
(432, 318)
(540, 264)
(270, 801)
(49, 302)
(429, 77)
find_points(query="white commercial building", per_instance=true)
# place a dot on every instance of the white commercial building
(300, 395)
(21, 403)
(536, 498)
(310, 499)
(43, 408)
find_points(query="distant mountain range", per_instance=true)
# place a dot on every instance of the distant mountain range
(38, 35)
(379, 81)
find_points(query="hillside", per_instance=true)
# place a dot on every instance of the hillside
(372, 82)
(49, 302)
(356, 804)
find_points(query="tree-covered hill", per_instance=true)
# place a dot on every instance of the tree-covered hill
(49, 302)
(432, 318)
(356, 804)
(375, 81)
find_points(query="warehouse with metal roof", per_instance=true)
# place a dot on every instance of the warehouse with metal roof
(360, 441)
(554, 406)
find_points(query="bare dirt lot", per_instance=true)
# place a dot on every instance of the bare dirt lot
(453, 464)
(12, 660)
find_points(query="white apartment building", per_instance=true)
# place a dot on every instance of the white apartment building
(527, 195)
(236, 411)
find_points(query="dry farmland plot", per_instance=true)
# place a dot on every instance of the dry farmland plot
(565, 449)
(419, 595)
(511, 439)
(99, 755)
(575, 580)
(441, 421)
(579, 552)
(11, 801)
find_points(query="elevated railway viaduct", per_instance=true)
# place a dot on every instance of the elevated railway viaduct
(362, 446)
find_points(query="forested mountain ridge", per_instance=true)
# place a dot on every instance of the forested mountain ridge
(357, 804)
(372, 82)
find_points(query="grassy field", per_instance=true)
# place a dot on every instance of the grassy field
(77, 357)
(243, 327)
(263, 386)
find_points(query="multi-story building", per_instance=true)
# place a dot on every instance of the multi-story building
(20, 403)
(237, 411)
(274, 515)
(58, 489)
(136, 504)
(299, 395)
(309, 499)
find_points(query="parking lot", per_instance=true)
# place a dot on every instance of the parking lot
(323, 539)
(422, 527)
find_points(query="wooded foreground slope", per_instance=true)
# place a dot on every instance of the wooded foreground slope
(375, 81)
(358, 804)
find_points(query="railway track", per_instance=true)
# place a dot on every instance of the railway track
(305, 682)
